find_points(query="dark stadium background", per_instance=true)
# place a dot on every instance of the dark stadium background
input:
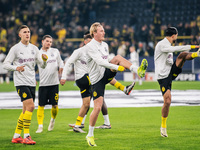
(139, 23)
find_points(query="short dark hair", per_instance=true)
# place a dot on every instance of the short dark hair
(21, 27)
(46, 36)
(87, 35)
(171, 31)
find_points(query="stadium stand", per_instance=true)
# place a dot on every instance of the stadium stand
(133, 22)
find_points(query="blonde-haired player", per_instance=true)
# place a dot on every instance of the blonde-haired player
(101, 71)
(78, 58)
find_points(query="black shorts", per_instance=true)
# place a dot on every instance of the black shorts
(26, 92)
(48, 95)
(84, 86)
(99, 87)
(166, 83)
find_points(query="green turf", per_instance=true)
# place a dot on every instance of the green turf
(132, 129)
(70, 85)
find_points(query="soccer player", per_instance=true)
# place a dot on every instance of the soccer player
(22, 59)
(166, 70)
(3, 71)
(83, 82)
(101, 72)
(134, 59)
(49, 83)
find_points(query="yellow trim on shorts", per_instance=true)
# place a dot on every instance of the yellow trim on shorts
(83, 91)
(89, 80)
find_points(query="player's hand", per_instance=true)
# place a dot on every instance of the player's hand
(121, 68)
(62, 81)
(44, 57)
(20, 68)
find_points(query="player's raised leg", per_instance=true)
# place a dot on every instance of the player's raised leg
(119, 60)
(126, 89)
(142, 68)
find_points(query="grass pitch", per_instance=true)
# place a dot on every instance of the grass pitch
(70, 85)
(132, 128)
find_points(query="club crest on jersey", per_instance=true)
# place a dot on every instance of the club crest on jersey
(32, 52)
(52, 54)
(105, 49)
(20, 61)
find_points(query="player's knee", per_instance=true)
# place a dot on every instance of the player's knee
(168, 101)
(30, 107)
(182, 55)
(118, 57)
(98, 108)
(86, 105)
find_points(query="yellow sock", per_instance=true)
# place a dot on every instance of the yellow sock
(79, 120)
(19, 127)
(194, 55)
(27, 121)
(54, 112)
(163, 125)
(40, 115)
(119, 86)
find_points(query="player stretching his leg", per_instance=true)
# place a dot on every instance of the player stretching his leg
(101, 72)
(83, 82)
(21, 59)
(49, 83)
(166, 70)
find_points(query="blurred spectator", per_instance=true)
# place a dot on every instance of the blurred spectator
(113, 47)
(3, 34)
(3, 72)
(34, 37)
(122, 49)
(187, 29)
(152, 5)
(151, 39)
(194, 29)
(124, 33)
(61, 33)
(143, 37)
(71, 18)
(162, 30)
(116, 33)
(133, 21)
(180, 28)
(157, 23)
